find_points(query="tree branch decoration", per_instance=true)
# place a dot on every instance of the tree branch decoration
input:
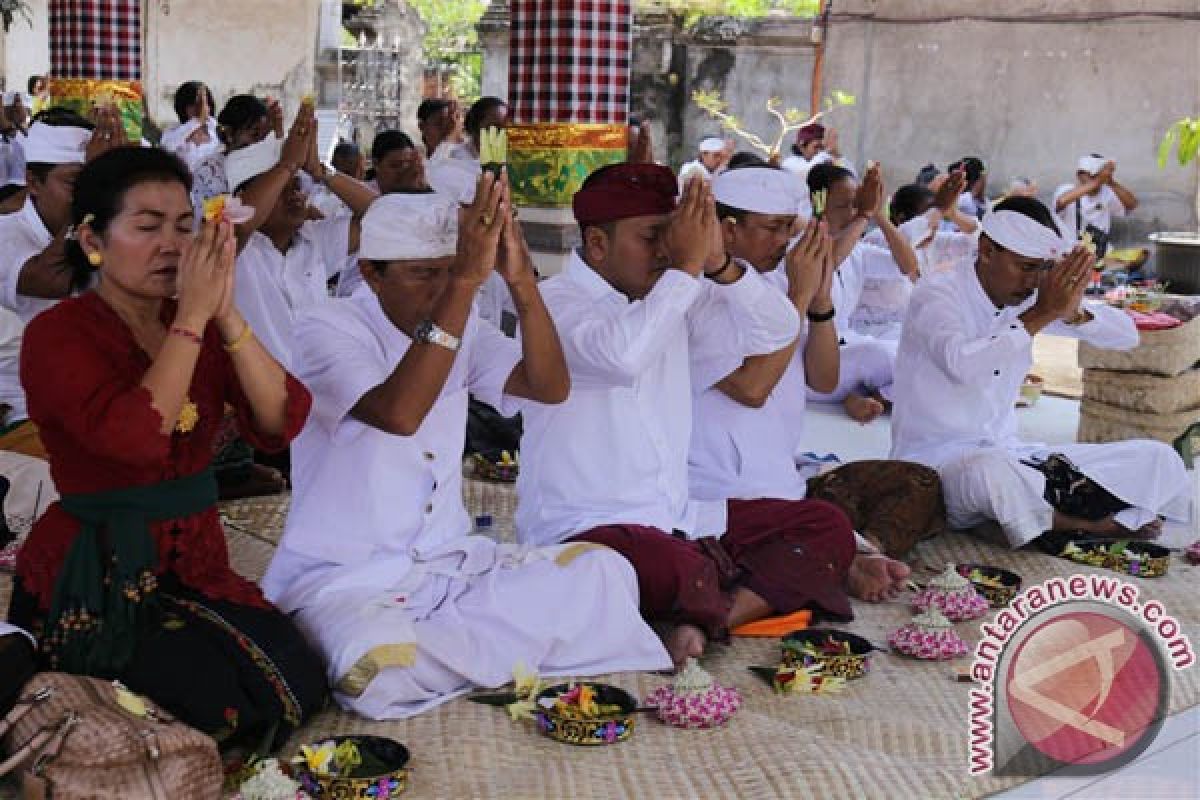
(790, 119)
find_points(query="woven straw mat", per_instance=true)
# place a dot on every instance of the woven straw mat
(899, 732)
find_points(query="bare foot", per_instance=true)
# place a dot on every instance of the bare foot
(874, 577)
(1151, 530)
(686, 641)
(1108, 528)
(863, 409)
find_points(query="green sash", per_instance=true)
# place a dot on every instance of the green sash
(106, 589)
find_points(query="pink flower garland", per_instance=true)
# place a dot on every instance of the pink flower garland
(937, 645)
(958, 605)
(708, 709)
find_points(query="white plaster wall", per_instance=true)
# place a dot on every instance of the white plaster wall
(265, 47)
(260, 46)
(1029, 98)
(27, 49)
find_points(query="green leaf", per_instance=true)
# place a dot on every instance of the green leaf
(1189, 143)
(843, 98)
(1193, 149)
(1164, 147)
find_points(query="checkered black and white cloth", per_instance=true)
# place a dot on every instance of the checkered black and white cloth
(569, 61)
(96, 39)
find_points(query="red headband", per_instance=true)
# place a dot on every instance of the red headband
(810, 133)
(621, 191)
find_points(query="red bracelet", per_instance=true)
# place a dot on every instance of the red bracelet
(191, 336)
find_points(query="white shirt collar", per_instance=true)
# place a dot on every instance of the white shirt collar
(596, 288)
(33, 220)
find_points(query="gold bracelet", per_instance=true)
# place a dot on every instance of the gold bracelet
(241, 340)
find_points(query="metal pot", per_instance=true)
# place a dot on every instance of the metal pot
(1177, 261)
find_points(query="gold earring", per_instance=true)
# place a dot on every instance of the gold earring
(95, 258)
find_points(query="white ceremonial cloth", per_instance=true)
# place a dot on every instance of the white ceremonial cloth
(959, 369)
(376, 549)
(616, 451)
(272, 287)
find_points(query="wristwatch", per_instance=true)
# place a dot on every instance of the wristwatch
(428, 332)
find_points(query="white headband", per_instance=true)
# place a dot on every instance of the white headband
(403, 227)
(55, 144)
(1024, 236)
(759, 190)
(711, 145)
(251, 161)
(1091, 164)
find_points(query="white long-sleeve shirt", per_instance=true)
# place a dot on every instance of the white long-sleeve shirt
(961, 363)
(273, 287)
(616, 451)
(742, 452)
(363, 494)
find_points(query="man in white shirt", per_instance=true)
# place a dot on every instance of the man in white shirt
(285, 262)
(33, 270)
(376, 563)
(917, 212)
(865, 378)
(750, 422)
(1092, 201)
(815, 144)
(973, 199)
(966, 348)
(712, 154)
(440, 122)
(637, 317)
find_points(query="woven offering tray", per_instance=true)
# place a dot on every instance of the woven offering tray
(839, 653)
(1140, 559)
(610, 721)
(997, 584)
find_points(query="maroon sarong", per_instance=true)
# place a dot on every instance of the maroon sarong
(793, 553)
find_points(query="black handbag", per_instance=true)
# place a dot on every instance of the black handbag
(18, 663)
(489, 433)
